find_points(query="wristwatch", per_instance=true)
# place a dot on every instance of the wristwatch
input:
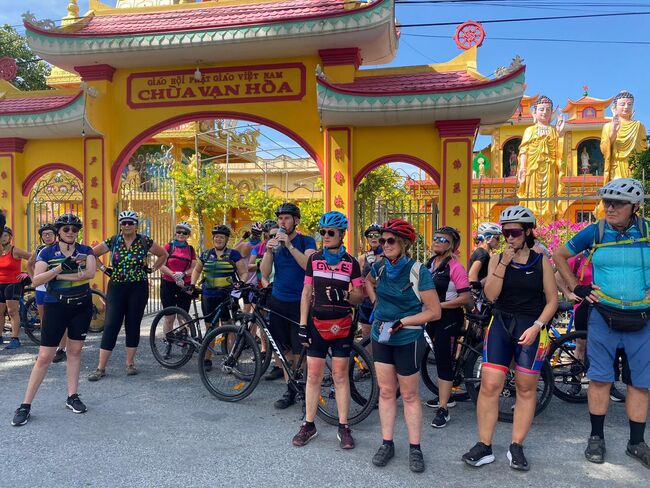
(291, 247)
(539, 324)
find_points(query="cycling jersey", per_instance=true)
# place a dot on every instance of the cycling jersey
(450, 279)
(522, 291)
(289, 275)
(483, 256)
(40, 288)
(53, 256)
(180, 259)
(128, 263)
(219, 271)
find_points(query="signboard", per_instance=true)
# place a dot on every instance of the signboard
(239, 84)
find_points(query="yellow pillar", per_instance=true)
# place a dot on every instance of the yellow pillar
(457, 142)
(11, 201)
(338, 175)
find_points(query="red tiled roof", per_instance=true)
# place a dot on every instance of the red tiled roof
(200, 19)
(588, 121)
(35, 104)
(413, 83)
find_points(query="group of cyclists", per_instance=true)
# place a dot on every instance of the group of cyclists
(396, 297)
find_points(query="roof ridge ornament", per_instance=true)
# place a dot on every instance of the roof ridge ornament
(45, 24)
(469, 34)
(73, 13)
(517, 63)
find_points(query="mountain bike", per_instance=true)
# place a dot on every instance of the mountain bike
(238, 367)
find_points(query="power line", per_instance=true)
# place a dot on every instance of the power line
(536, 39)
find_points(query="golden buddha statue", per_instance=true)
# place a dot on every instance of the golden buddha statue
(539, 170)
(621, 137)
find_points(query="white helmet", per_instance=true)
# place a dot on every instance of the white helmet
(184, 225)
(489, 228)
(128, 215)
(624, 189)
(516, 214)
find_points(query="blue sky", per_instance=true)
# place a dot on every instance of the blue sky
(557, 69)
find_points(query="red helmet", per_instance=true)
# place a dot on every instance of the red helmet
(400, 228)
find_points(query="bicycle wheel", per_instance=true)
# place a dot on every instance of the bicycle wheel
(508, 395)
(171, 348)
(233, 374)
(364, 388)
(429, 372)
(99, 311)
(30, 321)
(570, 382)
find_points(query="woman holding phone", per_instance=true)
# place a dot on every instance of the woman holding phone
(65, 268)
(405, 299)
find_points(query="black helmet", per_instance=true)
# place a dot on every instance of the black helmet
(45, 227)
(372, 228)
(288, 208)
(269, 224)
(221, 229)
(453, 233)
(67, 219)
(7, 230)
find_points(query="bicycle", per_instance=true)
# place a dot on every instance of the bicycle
(239, 366)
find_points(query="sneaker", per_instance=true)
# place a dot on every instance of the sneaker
(13, 344)
(288, 399)
(59, 356)
(274, 374)
(344, 435)
(479, 455)
(131, 370)
(435, 403)
(416, 460)
(441, 418)
(384, 454)
(21, 416)
(595, 451)
(75, 404)
(207, 365)
(304, 435)
(516, 457)
(639, 451)
(97, 375)
(614, 394)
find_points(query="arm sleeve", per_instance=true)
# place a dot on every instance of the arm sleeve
(426, 280)
(582, 240)
(309, 271)
(459, 276)
(356, 278)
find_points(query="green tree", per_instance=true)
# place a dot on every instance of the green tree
(260, 205)
(383, 183)
(32, 72)
(310, 212)
(640, 164)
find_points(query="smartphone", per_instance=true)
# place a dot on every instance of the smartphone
(80, 257)
(384, 334)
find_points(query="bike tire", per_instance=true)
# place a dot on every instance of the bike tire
(30, 321)
(569, 372)
(99, 311)
(220, 380)
(429, 372)
(171, 350)
(364, 389)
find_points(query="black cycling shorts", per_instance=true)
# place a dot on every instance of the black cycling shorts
(365, 311)
(172, 295)
(11, 291)
(406, 358)
(285, 332)
(318, 347)
(210, 304)
(59, 317)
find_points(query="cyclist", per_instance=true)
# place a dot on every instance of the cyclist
(245, 248)
(522, 283)
(289, 254)
(218, 267)
(332, 285)
(176, 272)
(65, 268)
(11, 284)
(620, 304)
(128, 288)
(404, 297)
(487, 238)
(366, 260)
(452, 287)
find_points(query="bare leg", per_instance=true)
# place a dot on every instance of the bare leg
(636, 404)
(387, 379)
(526, 385)
(43, 361)
(487, 407)
(409, 387)
(104, 356)
(130, 355)
(342, 384)
(598, 396)
(73, 365)
(444, 392)
(14, 316)
(64, 340)
(315, 369)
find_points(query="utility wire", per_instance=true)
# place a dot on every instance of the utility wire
(534, 39)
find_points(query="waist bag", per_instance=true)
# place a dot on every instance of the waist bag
(332, 329)
(623, 320)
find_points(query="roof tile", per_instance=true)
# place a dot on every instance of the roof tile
(411, 83)
(34, 104)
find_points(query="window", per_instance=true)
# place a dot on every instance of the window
(589, 113)
(584, 216)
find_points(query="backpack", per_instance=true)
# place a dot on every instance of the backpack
(170, 251)
(141, 238)
(414, 276)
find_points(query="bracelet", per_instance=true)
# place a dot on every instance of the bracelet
(539, 324)
(504, 265)
(497, 276)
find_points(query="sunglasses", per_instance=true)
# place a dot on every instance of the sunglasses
(127, 222)
(70, 229)
(390, 241)
(513, 233)
(444, 240)
(616, 204)
(329, 232)
(374, 235)
(183, 232)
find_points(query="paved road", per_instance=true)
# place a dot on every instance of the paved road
(161, 428)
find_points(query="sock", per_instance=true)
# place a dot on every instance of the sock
(388, 443)
(311, 425)
(28, 406)
(342, 426)
(637, 429)
(415, 446)
(597, 425)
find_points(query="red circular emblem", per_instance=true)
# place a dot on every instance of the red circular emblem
(469, 34)
(8, 69)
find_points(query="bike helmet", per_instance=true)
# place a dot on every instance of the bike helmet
(400, 228)
(269, 224)
(257, 228)
(489, 228)
(334, 219)
(45, 227)
(8, 230)
(623, 189)
(288, 208)
(516, 214)
(221, 229)
(128, 215)
(184, 225)
(372, 228)
(453, 233)
(67, 219)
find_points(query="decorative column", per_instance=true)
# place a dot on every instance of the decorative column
(11, 155)
(338, 179)
(457, 141)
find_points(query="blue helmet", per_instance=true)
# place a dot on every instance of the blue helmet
(334, 219)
